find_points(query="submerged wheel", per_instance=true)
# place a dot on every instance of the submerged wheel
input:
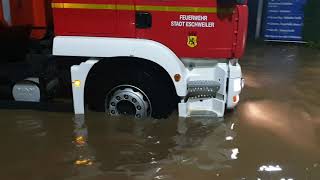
(128, 100)
(131, 89)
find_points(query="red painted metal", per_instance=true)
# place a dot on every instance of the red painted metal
(242, 11)
(2, 21)
(39, 18)
(31, 14)
(225, 40)
(87, 22)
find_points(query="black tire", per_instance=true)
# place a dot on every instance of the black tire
(157, 88)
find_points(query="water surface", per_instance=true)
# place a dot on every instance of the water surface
(274, 134)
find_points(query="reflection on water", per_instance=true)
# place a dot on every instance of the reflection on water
(293, 124)
(85, 165)
(270, 168)
(274, 134)
(159, 146)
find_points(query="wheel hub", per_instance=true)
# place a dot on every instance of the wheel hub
(128, 100)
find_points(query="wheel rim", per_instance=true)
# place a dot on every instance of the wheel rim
(128, 100)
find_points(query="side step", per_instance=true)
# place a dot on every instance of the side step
(202, 113)
(201, 100)
(203, 89)
(212, 107)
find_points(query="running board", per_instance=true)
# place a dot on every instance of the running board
(199, 113)
(213, 107)
(202, 89)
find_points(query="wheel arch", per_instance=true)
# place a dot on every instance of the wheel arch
(115, 63)
(134, 49)
(123, 67)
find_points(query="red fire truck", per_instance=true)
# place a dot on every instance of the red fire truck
(137, 57)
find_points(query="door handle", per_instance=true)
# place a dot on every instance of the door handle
(143, 20)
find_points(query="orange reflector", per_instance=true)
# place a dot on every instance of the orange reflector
(236, 99)
(83, 162)
(77, 83)
(80, 140)
(177, 77)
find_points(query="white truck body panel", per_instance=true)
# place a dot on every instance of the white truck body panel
(96, 48)
(123, 47)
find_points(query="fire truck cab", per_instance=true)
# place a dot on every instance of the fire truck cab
(147, 57)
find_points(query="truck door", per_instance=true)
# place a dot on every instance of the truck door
(191, 28)
(85, 17)
(126, 19)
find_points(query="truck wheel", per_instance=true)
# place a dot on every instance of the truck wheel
(128, 100)
(137, 93)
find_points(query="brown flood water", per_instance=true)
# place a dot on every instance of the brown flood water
(274, 134)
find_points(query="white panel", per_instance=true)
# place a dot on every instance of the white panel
(115, 47)
(96, 47)
(80, 73)
(212, 106)
(235, 85)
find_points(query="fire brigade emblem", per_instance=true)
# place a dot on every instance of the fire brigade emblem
(192, 40)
